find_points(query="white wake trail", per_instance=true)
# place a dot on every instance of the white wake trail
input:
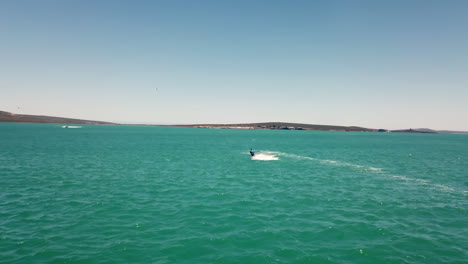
(264, 156)
(374, 170)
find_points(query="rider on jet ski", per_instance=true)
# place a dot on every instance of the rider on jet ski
(252, 153)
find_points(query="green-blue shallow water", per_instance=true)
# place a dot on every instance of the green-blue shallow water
(128, 194)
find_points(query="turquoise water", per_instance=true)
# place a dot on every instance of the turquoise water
(124, 194)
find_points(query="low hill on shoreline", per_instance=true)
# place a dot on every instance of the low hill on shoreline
(10, 117)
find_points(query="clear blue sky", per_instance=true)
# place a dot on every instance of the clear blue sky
(380, 64)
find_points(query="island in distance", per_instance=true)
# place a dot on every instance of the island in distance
(21, 118)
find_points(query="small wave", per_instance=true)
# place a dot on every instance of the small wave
(429, 184)
(71, 126)
(404, 178)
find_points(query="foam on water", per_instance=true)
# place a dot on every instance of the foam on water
(265, 156)
(325, 161)
(71, 126)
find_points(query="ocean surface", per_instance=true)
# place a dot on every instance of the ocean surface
(130, 194)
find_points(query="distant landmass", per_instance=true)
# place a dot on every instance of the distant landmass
(10, 117)
(416, 130)
(451, 132)
(282, 126)
(428, 130)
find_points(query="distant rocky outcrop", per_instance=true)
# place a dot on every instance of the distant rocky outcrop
(10, 117)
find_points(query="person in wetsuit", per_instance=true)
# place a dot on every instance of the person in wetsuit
(251, 153)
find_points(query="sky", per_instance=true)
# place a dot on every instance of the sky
(377, 64)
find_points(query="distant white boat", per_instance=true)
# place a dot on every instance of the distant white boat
(71, 126)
